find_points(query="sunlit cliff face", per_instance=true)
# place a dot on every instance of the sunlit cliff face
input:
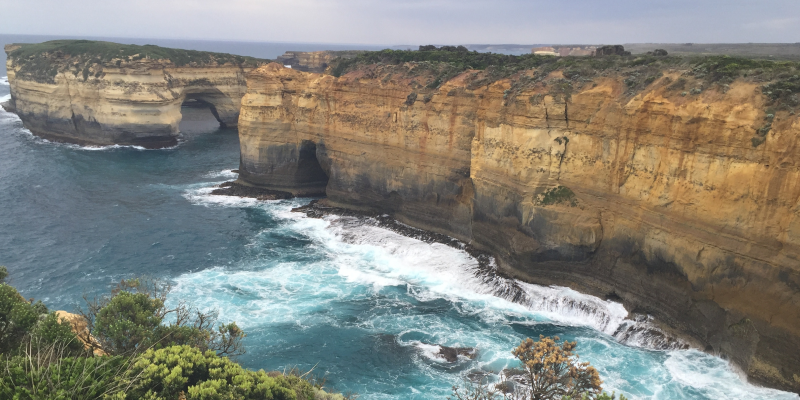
(133, 103)
(659, 198)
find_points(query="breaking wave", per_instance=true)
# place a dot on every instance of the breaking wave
(331, 279)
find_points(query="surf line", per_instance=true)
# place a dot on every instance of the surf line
(567, 305)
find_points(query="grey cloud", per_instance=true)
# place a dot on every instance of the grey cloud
(413, 21)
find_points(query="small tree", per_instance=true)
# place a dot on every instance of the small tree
(549, 372)
(134, 317)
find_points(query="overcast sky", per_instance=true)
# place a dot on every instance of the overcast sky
(412, 21)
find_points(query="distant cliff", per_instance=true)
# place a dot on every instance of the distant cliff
(314, 61)
(103, 93)
(670, 185)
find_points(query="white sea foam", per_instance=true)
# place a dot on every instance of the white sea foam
(712, 377)
(202, 196)
(4, 80)
(430, 351)
(225, 174)
(365, 256)
(73, 146)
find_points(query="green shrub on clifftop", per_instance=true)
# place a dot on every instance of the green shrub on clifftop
(168, 372)
(42, 359)
(23, 321)
(41, 62)
(135, 317)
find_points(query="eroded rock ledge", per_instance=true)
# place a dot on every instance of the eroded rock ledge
(100, 93)
(660, 198)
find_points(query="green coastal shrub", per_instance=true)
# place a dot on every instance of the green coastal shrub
(169, 372)
(25, 322)
(151, 352)
(43, 374)
(135, 317)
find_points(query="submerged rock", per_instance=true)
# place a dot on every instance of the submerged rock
(239, 190)
(451, 353)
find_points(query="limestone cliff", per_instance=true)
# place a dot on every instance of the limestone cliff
(103, 93)
(683, 204)
(313, 61)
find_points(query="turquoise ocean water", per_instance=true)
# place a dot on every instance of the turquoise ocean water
(364, 305)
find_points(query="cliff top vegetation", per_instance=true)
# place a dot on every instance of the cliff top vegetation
(131, 346)
(779, 80)
(42, 61)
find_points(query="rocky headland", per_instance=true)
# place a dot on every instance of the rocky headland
(669, 184)
(101, 93)
(314, 61)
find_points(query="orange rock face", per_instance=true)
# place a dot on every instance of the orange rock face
(660, 199)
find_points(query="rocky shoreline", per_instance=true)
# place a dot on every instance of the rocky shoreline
(639, 330)
(234, 188)
(609, 182)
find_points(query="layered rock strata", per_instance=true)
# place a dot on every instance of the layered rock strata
(125, 100)
(663, 201)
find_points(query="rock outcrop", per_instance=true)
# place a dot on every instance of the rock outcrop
(680, 206)
(313, 61)
(81, 329)
(100, 93)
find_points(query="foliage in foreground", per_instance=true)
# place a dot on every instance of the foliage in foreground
(549, 372)
(135, 316)
(146, 357)
(21, 320)
(165, 374)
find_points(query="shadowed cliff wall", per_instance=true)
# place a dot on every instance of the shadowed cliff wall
(657, 198)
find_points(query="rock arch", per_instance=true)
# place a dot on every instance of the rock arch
(124, 106)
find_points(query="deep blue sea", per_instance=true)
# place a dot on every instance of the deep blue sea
(364, 306)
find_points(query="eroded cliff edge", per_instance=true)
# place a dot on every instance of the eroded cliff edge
(102, 93)
(679, 198)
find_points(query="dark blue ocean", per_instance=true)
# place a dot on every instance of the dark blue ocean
(362, 304)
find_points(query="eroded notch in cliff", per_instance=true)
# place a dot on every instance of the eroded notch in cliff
(309, 172)
(199, 104)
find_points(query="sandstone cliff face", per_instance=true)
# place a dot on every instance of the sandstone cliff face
(136, 102)
(657, 199)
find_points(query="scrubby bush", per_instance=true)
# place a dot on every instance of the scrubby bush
(150, 352)
(46, 372)
(169, 372)
(549, 371)
(135, 317)
(22, 320)
(558, 194)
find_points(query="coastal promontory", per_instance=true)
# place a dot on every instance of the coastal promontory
(669, 184)
(102, 93)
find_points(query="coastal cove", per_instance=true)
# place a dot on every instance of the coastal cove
(365, 305)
